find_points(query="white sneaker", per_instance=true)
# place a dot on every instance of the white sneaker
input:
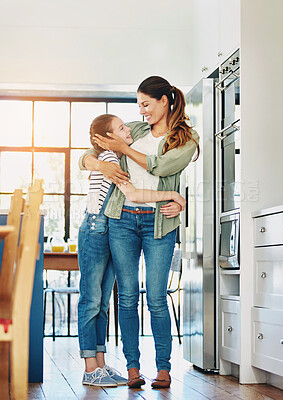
(99, 377)
(116, 375)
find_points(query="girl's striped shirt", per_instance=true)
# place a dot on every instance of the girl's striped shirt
(99, 185)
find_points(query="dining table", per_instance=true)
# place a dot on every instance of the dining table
(57, 261)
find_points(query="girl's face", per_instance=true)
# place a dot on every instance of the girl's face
(121, 130)
(154, 110)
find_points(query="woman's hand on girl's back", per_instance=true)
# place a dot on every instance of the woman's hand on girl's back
(171, 209)
(114, 142)
(180, 200)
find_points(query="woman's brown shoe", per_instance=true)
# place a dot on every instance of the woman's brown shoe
(136, 382)
(160, 383)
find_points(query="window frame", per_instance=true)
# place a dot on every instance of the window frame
(65, 150)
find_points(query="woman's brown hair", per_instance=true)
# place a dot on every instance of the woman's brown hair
(101, 125)
(180, 131)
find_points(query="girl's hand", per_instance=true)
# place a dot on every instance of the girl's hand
(171, 209)
(114, 142)
(113, 172)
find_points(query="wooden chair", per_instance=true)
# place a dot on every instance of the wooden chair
(67, 262)
(175, 278)
(176, 270)
(16, 283)
(6, 280)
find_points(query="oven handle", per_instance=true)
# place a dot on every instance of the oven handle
(237, 76)
(233, 125)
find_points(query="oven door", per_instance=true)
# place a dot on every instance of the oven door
(229, 256)
(230, 172)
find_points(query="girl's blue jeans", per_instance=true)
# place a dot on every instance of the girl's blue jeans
(96, 283)
(128, 236)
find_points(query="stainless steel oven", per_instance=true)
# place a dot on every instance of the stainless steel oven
(229, 249)
(229, 134)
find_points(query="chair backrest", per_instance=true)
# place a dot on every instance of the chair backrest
(11, 245)
(27, 253)
(176, 268)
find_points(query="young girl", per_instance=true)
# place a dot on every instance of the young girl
(95, 263)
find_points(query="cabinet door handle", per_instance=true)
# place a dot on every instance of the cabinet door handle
(260, 336)
(281, 341)
(262, 229)
(263, 275)
(229, 329)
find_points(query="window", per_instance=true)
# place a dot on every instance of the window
(44, 139)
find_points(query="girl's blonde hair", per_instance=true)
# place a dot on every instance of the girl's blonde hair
(180, 130)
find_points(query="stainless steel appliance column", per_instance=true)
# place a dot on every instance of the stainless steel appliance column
(229, 134)
(228, 161)
(198, 235)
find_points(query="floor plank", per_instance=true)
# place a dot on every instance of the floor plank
(231, 385)
(63, 370)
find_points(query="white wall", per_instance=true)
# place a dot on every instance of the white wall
(262, 137)
(94, 42)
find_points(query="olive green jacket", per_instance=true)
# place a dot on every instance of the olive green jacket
(167, 166)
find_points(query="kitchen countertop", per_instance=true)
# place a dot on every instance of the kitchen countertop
(267, 211)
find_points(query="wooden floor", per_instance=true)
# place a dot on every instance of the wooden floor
(63, 370)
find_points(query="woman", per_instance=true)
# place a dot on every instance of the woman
(163, 146)
(96, 267)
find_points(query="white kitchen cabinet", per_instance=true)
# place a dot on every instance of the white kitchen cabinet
(230, 330)
(267, 313)
(205, 20)
(229, 27)
(267, 348)
(269, 230)
(268, 277)
(229, 321)
(216, 34)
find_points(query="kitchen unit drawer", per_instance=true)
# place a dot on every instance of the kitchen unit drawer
(267, 341)
(230, 330)
(268, 290)
(269, 230)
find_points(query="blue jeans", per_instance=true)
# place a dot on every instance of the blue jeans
(96, 283)
(127, 236)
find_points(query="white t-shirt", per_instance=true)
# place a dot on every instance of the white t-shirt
(140, 178)
(99, 185)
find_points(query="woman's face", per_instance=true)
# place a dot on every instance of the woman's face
(154, 110)
(121, 130)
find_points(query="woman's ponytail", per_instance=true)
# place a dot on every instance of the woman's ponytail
(180, 130)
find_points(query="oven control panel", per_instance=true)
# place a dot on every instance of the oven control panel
(231, 65)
